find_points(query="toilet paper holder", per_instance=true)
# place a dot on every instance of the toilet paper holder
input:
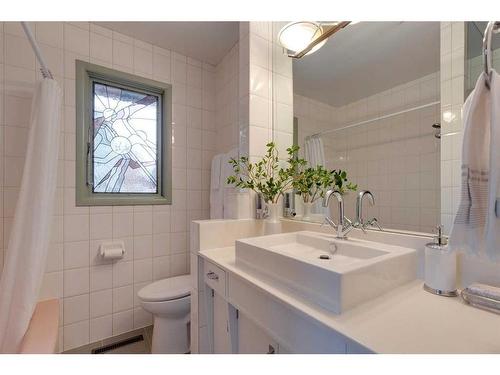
(112, 250)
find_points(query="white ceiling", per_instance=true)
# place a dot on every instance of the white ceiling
(366, 58)
(205, 41)
(358, 61)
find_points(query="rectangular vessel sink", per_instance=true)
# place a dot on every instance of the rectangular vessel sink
(336, 274)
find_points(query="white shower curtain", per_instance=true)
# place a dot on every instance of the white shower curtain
(314, 153)
(26, 255)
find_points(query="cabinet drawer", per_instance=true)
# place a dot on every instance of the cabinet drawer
(214, 277)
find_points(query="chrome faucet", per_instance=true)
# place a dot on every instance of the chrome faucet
(344, 226)
(359, 222)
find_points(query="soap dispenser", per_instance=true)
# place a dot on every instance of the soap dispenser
(440, 267)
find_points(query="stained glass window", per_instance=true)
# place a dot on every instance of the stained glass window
(123, 138)
(125, 152)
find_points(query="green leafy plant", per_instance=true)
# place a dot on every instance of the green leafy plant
(311, 183)
(270, 179)
(342, 185)
(265, 176)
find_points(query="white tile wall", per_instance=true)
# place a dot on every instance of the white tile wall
(260, 118)
(244, 115)
(452, 99)
(226, 102)
(397, 158)
(265, 90)
(98, 297)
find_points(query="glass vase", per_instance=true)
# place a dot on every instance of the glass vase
(307, 207)
(272, 223)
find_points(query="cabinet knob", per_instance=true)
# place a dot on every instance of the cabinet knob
(212, 276)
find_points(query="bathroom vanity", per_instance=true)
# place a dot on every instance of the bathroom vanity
(276, 294)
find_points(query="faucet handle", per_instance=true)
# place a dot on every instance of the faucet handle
(329, 222)
(374, 223)
(349, 222)
(358, 225)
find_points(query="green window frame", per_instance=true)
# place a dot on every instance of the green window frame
(86, 76)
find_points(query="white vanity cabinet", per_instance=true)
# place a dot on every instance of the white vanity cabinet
(221, 337)
(252, 339)
(233, 332)
(229, 331)
(217, 309)
(244, 319)
(293, 331)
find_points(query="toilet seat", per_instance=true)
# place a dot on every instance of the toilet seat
(172, 309)
(168, 289)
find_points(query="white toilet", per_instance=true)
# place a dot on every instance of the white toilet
(169, 300)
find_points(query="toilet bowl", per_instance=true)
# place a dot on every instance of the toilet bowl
(169, 300)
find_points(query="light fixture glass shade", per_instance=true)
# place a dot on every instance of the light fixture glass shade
(296, 36)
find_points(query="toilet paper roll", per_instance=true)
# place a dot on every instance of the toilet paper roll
(112, 250)
(112, 253)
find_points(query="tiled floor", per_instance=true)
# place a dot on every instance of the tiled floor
(140, 347)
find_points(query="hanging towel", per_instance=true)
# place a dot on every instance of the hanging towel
(216, 188)
(493, 222)
(469, 227)
(315, 155)
(229, 192)
(314, 151)
(320, 151)
(220, 207)
(215, 172)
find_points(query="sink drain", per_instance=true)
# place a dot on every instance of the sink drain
(324, 257)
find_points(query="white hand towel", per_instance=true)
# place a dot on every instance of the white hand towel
(227, 168)
(315, 155)
(307, 150)
(216, 188)
(493, 222)
(318, 206)
(228, 191)
(215, 171)
(469, 228)
(321, 151)
(314, 151)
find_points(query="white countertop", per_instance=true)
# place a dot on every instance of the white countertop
(405, 320)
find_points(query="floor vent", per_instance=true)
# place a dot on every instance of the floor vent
(118, 344)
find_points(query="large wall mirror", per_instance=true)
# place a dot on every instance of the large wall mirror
(368, 103)
(474, 57)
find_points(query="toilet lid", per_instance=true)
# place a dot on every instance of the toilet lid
(166, 289)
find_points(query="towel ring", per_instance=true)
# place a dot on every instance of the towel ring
(492, 27)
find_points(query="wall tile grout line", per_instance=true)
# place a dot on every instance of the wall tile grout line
(69, 276)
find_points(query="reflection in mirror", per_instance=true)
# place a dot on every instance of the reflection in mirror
(368, 103)
(474, 55)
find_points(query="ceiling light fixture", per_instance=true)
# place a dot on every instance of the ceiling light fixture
(296, 36)
(305, 37)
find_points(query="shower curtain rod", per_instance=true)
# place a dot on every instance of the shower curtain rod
(46, 73)
(375, 119)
